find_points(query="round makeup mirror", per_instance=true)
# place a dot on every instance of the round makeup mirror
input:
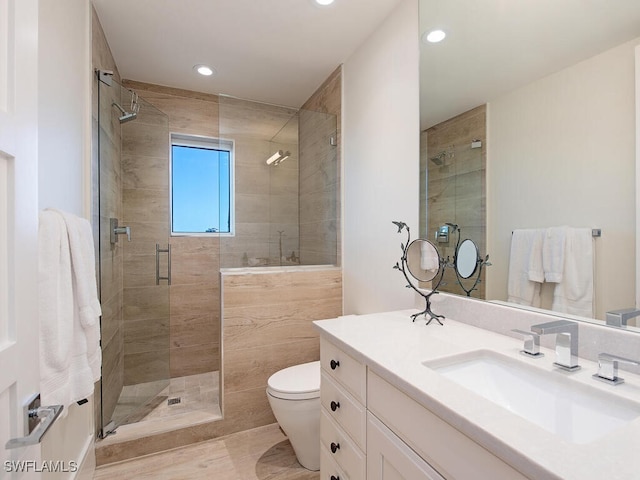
(423, 260)
(467, 258)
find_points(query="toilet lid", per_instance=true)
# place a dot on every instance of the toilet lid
(299, 382)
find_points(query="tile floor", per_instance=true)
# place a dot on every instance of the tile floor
(258, 454)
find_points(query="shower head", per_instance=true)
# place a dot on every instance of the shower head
(126, 116)
(439, 159)
(278, 157)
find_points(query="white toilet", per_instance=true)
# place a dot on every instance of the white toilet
(294, 396)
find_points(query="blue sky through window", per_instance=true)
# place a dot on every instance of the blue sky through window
(200, 190)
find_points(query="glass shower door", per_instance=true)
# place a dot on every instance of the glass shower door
(134, 255)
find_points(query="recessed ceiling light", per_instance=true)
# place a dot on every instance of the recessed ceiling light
(434, 36)
(324, 2)
(204, 70)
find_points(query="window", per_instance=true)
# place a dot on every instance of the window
(201, 186)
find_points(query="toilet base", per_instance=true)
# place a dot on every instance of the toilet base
(300, 421)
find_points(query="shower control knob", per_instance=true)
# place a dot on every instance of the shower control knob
(335, 406)
(334, 364)
(333, 477)
(335, 447)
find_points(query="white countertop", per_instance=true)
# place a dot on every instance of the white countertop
(394, 347)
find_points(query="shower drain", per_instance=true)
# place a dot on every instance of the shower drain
(173, 401)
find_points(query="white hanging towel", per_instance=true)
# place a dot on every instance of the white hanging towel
(525, 250)
(84, 286)
(574, 294)
(553, 253)
(67, 299)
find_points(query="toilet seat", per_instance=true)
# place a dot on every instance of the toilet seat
(299, 382)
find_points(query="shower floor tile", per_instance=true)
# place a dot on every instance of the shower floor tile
(195, 393)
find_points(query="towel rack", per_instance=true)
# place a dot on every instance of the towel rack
(595, 232)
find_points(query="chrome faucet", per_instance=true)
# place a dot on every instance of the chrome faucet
(531, 343)
(566, 342)
(608, 368)
(620, 318)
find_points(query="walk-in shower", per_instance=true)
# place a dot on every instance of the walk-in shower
(161, 327)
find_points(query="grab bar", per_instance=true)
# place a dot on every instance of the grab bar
(158, 252)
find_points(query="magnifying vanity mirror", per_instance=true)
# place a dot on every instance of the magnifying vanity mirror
(423, 260)
(528, 114)
(467, 259)
(423, 269)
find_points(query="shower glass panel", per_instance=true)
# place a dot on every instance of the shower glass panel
(133, 159)
(286, 185)
(454, 193)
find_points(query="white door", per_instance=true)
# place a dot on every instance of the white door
(389, 458)
(19, 372)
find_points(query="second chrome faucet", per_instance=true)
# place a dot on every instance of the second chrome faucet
(566, 342)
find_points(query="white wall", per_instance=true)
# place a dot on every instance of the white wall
(381, 162)
(562, 152)
(64, 107)
(64, 110)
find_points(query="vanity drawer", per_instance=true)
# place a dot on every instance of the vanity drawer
(344, 409)
(345, 452)
(432, 438)
(329, 469)
(344, 368)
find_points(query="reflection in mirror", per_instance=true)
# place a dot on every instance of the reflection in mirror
(467, 258)
(556, 126)
(423, 260)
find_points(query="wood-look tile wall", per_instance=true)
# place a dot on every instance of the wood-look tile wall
(267, 326)
(320, 174)
(106, 135)
(145, 173)
(456, 190)
(193, 320)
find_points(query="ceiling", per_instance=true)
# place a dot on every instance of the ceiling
(272, 51)
(495, 46)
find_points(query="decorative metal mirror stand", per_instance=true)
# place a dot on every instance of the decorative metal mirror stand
(421, 260)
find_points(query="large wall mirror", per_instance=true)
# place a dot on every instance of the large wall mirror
(528, 121)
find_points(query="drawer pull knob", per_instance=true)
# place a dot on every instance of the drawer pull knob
(335, 406)
(335, 447)
(333, 477)
(334, 364)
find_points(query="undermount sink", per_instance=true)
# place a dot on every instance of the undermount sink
(576, 412)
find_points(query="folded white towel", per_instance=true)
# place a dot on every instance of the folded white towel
(429, 259)
(520, 288)
(574, 294)
(553, 253)
(536, 270)
(70, 355)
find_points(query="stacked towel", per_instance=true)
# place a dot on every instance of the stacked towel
(523, 286)
(574, 292)
(69, 310)
(553, 253)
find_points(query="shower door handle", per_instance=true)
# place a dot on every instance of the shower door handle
(158, 252)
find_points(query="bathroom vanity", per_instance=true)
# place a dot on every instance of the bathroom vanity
(405, 400)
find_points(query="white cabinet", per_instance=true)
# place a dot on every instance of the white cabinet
(343, 390)
(369, 429)
(389, 458)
